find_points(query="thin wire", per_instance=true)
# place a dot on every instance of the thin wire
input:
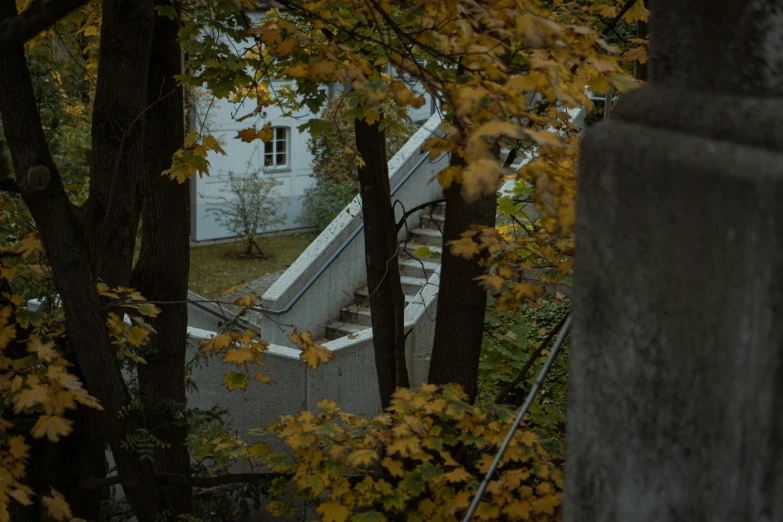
(528, 401)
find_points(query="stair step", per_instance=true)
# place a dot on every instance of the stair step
(426, 236)
(356, 314)
(340, 329)
(416, 268)
(433, 221)
(412, 285)
(363, 297)
(440, 208)
(435, 251)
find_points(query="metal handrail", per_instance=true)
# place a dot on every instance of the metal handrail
(334, 255)
(518, 420)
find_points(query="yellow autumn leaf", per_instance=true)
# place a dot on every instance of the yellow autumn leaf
(137, 336)
(465, 247)
(544, 138)
(637, 13)
(546, 505)
(362, 457)
(17, 448)
(263, 378)
(211, 143)
(247, 135)
(333, 512)
(190, 139)
(371, 115)
(30, 246)
(286, 47)
(518, 509)
(57, 507)
(44, 351)
(29, 397)
(239, 356)
(52, 426)
(265, 134)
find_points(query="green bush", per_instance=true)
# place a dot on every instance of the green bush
(335, 161)
(510, 339)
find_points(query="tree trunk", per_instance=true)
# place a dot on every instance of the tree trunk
(63, 236)
(112, 210)
(162, 274)
(462, 301)
(387, 302)
(642, 32)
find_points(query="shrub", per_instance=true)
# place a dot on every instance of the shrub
(251, 207)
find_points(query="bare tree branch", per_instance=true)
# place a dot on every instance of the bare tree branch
(39, 16)
(196, 482)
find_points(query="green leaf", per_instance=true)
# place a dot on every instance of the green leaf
(368, 516)
(235, 380)
(422, 252)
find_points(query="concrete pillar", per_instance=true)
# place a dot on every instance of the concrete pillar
(676, 384)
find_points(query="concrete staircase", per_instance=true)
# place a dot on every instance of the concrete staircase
(414, 273)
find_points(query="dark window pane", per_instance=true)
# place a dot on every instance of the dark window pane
(268, 148)
(280, 146)
(280, 133)
(281, 159)
(268, 160)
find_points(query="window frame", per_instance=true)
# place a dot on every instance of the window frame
(286, 151)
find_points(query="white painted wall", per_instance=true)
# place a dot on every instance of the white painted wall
(221, 116)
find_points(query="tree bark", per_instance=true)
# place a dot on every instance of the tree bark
(113, 207)
(642, 32)
(462, 301)
(387, 302)
(63, 236)
(162, 274)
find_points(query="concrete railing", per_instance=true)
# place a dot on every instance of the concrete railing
(325, 276)
(349, 378)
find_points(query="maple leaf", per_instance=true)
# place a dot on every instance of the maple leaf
(57, 506)
(148, 309)
(21, 495)
(546, 504)
(395, 467)
(333, 512)
(368, 516)
(52, 426)
(17, 447)
(263, 378)
(518, 509)
(138, 336)
(29, 397)
(265, 134)
(362, 457)
(465, 247)
(247, 135)
(44, 351)
(239, 356)
(235, 380)
(30, 245)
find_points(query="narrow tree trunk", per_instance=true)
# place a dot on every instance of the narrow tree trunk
(642, 32)
(462, 302)
(162, 275)
(387, 302)
(112, 209)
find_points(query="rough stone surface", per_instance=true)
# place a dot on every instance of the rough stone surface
(718, 46)
(676, 382)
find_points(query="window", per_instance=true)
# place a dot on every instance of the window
(276, 150)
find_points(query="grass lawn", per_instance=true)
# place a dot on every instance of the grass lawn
(215, 268)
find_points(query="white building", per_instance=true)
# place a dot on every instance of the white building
(286, 158)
